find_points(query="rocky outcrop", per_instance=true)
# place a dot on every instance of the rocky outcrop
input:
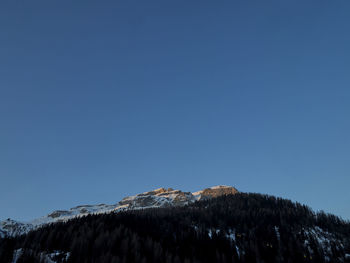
(157, 198)
(168, 197)
(59, 213)
(217, 191)
(11, 227)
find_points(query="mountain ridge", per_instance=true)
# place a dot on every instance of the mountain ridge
(160, 197)
(233, 228)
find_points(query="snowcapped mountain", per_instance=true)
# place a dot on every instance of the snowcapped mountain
(157, 198)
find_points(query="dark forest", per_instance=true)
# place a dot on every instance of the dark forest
(245, 228)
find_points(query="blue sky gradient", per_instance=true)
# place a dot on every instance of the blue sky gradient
(103, 99)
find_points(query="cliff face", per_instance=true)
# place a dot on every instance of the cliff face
(217, 191)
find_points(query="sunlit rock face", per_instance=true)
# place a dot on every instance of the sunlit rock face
(161, 197)
(169, 197)
(216, 191)
(158, 198)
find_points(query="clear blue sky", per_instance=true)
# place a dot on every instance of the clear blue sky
(102, 99)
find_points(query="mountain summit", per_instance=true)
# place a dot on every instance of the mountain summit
(161, 197)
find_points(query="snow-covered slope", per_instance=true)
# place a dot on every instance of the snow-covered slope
(12, 228)
(157, 198)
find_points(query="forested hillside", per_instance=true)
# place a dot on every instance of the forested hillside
(234, 228)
